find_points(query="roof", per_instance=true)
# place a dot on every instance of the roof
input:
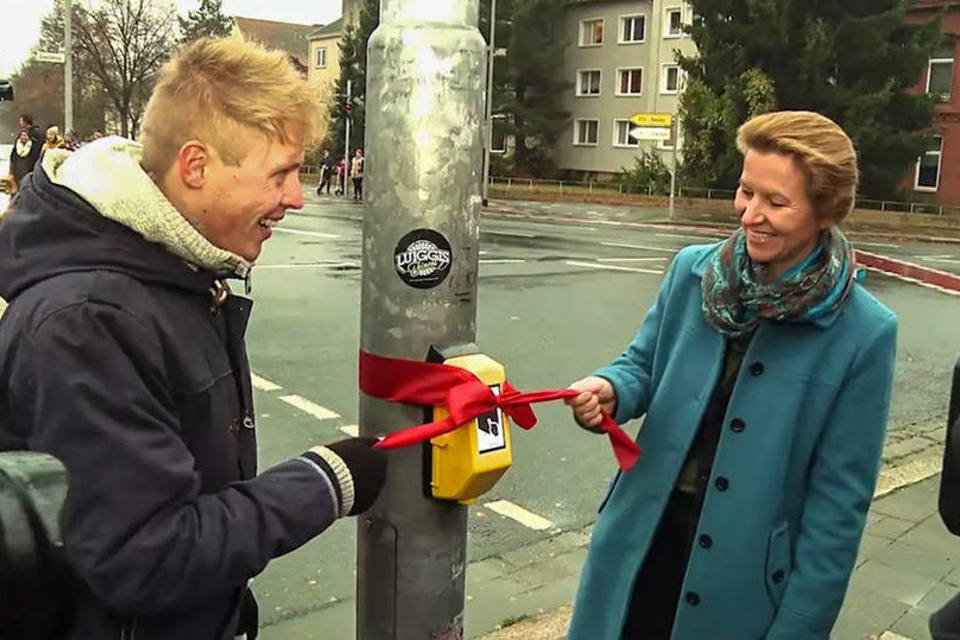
(332, 29)
(286, 36)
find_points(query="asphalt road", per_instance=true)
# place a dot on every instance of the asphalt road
(556, 300)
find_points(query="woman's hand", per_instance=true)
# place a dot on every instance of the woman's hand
(596, 395)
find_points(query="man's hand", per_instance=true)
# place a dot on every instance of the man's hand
(596, 395)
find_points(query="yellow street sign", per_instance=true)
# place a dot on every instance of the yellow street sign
(652, 119)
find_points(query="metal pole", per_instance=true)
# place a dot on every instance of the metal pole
(68, 66)
(346, 139)
(491, 51)
(673, 167)
(425, 143)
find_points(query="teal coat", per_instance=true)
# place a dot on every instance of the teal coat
(798, 455)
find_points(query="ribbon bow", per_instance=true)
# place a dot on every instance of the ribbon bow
(466, 398)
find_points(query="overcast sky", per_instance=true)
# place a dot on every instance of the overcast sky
(22, 28)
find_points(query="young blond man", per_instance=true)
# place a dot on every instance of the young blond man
(122, 351)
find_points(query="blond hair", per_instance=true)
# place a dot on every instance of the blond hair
(214, 88)
(820, 147)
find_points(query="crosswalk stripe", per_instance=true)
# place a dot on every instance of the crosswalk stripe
(521, 515)
(318, 412)
(263, 384)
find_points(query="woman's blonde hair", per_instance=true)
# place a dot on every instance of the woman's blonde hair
(216, 87)
(820, 147)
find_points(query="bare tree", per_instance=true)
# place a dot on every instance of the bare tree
(125, 42)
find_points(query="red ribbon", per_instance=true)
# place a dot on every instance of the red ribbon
(465, 397)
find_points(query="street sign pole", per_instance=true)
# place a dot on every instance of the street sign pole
(673, 168)
(424, 136)
(488, 137)
(68, 66)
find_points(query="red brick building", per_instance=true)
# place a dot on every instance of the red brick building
(937, 173)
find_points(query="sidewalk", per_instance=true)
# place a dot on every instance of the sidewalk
(909, 565)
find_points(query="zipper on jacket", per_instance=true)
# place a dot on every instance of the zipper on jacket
(129, 629)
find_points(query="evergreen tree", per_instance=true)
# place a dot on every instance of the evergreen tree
(353, 67)
(527, 90)
(853, 61)
(207, 20)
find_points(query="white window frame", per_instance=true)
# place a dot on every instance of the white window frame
(316, 60)
(580, 93)
(916, 178)
(629, 16)
(663, 79)
(666, 22)
(643, 79)
(493, 122)
(630, 144)
(933, 61)
(603, 32)
(576, 132)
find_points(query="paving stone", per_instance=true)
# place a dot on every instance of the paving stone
(865, 613)
(911, 626)
(890, 527)
(910, 446)
(874, 577)
(917, 504)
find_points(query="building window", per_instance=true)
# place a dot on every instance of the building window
(928, 166)
(633, 29)
(586, 132)
(588, 82)
(630, 82)
(591, 33)
(940, 71)
(673, 23)
(498, 142)
(322, 58)
(621, 134)
(671, 79)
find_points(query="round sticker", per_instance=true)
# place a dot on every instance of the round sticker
(422, 258)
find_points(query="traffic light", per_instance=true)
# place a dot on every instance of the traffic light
(6, 90)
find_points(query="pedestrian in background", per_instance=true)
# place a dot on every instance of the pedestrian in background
(53, 139)
(743, 516)
(356, 174)
(122, 351)
(23, 157)
(26, 122)
(341, 176)
(326, 169)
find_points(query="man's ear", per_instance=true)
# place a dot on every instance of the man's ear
(192, 161)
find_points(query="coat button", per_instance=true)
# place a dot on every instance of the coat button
(778, 576)
(722, 484)
(706, 541)
(756, 369)
(248, 422)
(692, 598)
(738, 425)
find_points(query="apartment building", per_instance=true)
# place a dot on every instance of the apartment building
(621, 60)
(937, 172)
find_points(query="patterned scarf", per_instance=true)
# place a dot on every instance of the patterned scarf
(736, 293)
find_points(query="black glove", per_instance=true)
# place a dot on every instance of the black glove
(357, 469)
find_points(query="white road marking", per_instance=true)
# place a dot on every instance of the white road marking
(308, 265)
(318, 412)
(681, 236)
(502, 261)
(623, 245)
(612, 267)
(351, 430)
(876, 244)
(521, 515)
(511, 234)
(935, 287)
(938, 259)
(263, 384)
(301, 232)
(631, 260)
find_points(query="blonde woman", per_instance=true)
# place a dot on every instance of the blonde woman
(764, 372)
